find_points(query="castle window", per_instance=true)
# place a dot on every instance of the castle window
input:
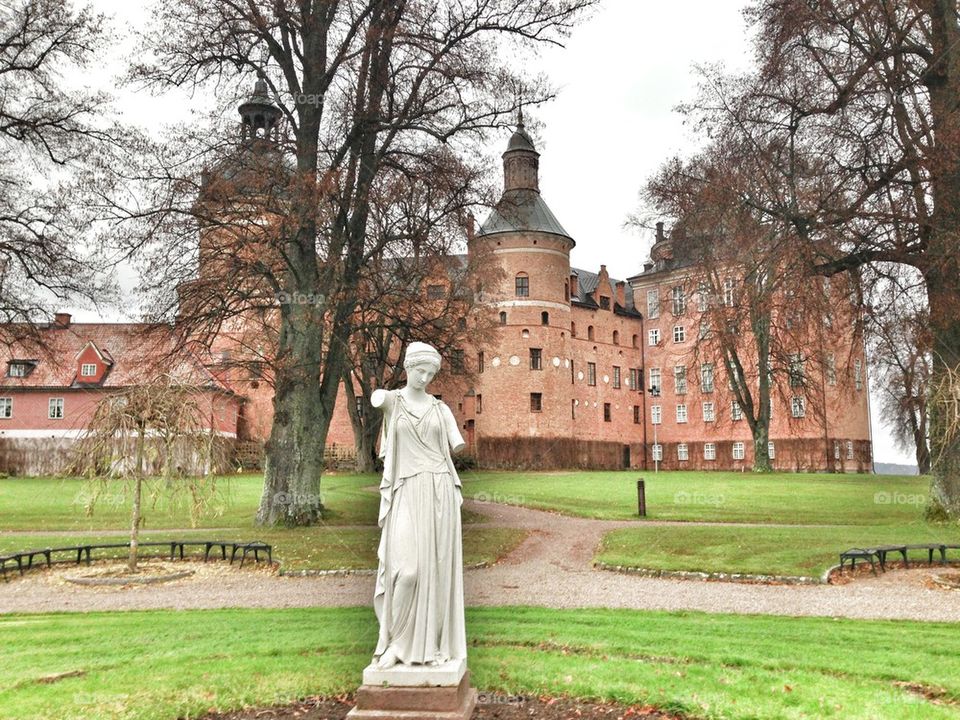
(573, 329)
(706, 377)
(616, 337)
(771, 451)
(358, 400)
(606, 412)
(635, 376)
(858, 373)
(589, 332)
(480, 362)
(522, 285)
(681, 413)
(591, 373)
(573, 409)
(55, 409)
(20, 368)
(836, 449)
(709, 451)
(736, 412)
(536, 359)
(738, 451)
(636, 414)
(456, 362)
(680, 379)
(6, 407)
(616, 377)
(679, 300)
(655, 382)
(703, 297)
(536, 402)
(709, 415)
(849, 449)
(544, 318)
(636, 341)
(679, 333)
(88, 370)
(683, 454)
(573, 376)
(604, 302)
(653, 337)
(796, 370)
(798, 407)
(503, 318)
(566, 290)
(656, 414)
(479, 403)
(653, 304)
(728, 298)
(658, 452)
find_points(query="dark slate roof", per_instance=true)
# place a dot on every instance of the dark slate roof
(587, 284)
(520, 140)
(522, 211)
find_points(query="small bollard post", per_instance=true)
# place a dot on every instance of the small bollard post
(641, 498)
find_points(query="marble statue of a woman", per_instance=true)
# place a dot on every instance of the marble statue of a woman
(419, 591)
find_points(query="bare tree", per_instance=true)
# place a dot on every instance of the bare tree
(900, 344)
(363, 87)
(852, 122)
(160, 425)
(54, 141)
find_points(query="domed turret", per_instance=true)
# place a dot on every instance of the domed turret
(260, 117)
(521, 161)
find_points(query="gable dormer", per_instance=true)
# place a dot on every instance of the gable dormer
(604, 295)
(17, 368)
(92, 365)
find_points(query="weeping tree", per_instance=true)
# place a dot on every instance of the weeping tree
(362, 88)
(152, 437)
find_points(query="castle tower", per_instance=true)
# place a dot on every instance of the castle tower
(529, 364)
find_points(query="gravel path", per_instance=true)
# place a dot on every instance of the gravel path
(551, 568)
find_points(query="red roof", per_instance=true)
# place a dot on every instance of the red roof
(135, 351)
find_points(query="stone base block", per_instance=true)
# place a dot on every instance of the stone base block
(415, 702)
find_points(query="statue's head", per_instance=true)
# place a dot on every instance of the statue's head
(422, 362)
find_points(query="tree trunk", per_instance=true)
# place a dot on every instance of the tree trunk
(135, 509)
(761, 448)
(294, 452)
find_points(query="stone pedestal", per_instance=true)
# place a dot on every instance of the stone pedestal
(415, 692)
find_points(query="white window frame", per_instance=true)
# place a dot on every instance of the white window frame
(6, 408)
(656, 414)
(681, 413)
(653, 337)
(58, 404)
(850, 454)
(706, 377)
(709, 412)
(736, 412)
(653, 304)
(703, 297)
(739, 450)
(771, 450)
(683, 452)
(798, 406)
(836, 449)
(658, 452)
(656, 379)
(680, 379)
(17, 370)
(704, 330)
(709, 451)
(679, 334)
(858, 373)
(728, 292)
(88, 369)
(679, 300)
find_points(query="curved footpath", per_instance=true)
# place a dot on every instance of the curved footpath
(551, 568)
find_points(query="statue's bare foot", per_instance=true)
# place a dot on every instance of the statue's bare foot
(388, 659)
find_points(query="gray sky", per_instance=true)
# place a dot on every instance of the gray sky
(620, 77)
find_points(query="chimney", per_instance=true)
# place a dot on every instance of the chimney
(61, 319)
(647, 266)
(620, 289)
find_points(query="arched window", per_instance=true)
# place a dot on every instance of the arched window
(522, 285)
(636, 341)
(503, 318)
(589, 332)
(544, 318)
(616, 337)
(573, 329)
(566, 290)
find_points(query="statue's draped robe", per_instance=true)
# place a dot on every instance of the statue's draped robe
(419, 593)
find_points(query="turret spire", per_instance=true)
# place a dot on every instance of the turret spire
(521, 161)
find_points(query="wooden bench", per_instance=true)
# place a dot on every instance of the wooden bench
(24, 559)
(878, 554)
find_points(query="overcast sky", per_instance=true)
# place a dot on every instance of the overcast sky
(620, 78)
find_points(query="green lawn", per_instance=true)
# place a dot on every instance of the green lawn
(762, 550)
(58, 505)
(165, 664)
(784, 498)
